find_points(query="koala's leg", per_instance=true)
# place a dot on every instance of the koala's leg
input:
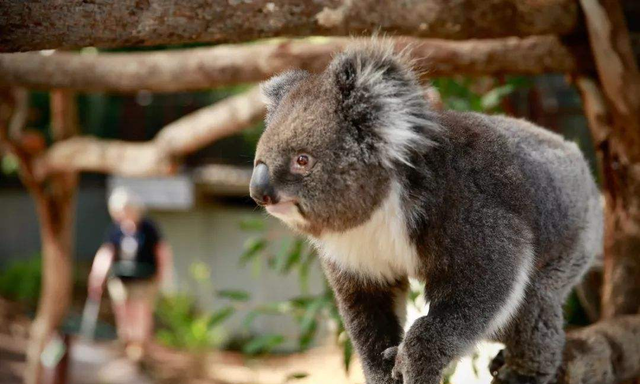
(534, 341)
(436, 340)
(373, 313)
(472, 294)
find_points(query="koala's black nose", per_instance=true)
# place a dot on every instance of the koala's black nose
(260, 187)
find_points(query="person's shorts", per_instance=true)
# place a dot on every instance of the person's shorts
(136, 290)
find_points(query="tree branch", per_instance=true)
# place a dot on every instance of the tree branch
(13, 103)
(160, 155)
(607, 352)
(203, 68)
(33, 25)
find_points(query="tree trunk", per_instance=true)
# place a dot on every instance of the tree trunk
(34, 25)
(205, 68)
(55, 202)
(620, 147)
(56, 225)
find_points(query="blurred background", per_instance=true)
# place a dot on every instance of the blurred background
(160, 99)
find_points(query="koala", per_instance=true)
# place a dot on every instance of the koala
(496, 216)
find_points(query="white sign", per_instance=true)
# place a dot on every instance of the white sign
(170, 193)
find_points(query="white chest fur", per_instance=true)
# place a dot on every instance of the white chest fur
(378, 249)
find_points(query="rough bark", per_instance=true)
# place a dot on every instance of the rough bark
(33, 25)
(161, 155)
(204, 68)
(620, 80)
(607, 352)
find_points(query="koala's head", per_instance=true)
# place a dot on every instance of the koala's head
(335, 140)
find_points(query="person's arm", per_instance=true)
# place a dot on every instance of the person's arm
(99, 270)
(164, 256)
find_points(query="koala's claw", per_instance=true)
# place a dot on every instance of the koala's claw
(395, 354)
(389, 354)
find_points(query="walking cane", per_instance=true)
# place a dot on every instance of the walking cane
(89, 318)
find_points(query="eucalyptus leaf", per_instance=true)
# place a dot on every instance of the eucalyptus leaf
(220, 316)
(234, 294)
(263, 344)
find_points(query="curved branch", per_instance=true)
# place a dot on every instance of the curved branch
(161, 155)
(202, 68)
(34, 25)
(607, 352)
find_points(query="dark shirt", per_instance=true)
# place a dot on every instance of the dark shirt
(135, 253)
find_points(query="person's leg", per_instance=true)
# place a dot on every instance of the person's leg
(133, 349)
(141, 316)
(118, 295)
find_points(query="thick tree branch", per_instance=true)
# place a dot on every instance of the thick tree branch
(203, 68)
(607, 352)
(160, 155)
(33, 25)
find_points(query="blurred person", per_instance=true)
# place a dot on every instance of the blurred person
(134, 260)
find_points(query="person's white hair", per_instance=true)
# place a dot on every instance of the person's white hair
(122, 199)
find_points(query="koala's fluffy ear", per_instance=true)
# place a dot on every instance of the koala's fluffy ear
(274, 89)
(368, 76)
(379, 92)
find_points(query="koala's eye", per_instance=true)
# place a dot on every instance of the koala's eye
(302, 163)
(302, 160)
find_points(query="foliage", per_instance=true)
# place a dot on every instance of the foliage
(308, 310)
(8, 164)
(20, 280)
(477, 94)
(183, 326)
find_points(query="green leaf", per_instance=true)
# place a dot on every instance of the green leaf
(252, 224)
(493, 98)
(252, 248)
(301, 302)
(250, 318)
(200, 271)
(10, 164)
(220, 316)
(347, 354)
(413, 296)
(167, 338)
(310, 314)
(308, 334)
(303, 276)
(235, 295)
(296, 376)
(290, 256)
(263, 344)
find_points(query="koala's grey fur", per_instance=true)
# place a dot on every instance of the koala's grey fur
(496, 216)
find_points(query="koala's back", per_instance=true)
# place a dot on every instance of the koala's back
(543, 174)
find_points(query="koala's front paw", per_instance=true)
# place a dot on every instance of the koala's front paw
(397, 355)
